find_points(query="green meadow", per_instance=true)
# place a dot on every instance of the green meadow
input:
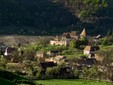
(71, 82)
(59, 82)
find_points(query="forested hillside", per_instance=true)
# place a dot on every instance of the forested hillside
(36, 17)
(96, 15)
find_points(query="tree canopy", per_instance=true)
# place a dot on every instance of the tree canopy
(54, 16)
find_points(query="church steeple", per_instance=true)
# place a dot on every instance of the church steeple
(83, 33)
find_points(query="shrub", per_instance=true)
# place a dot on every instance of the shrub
(3, 62)
(52, 72)
(73, 44)
(76, 73)
(39, 73)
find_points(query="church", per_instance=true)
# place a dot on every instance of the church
(65, 38)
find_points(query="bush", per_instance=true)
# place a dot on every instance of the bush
(108, 40)
(39, 73)
(24, 82)
(60, 72)
(52, 72)
(76, 73)
(90, 73)
(3, 62)
(83, 41)
(73, 44)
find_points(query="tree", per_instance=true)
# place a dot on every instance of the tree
(83, 41)
(52, 72)
(85, 8)
(105, 66)
(3, 62)
(73, 44)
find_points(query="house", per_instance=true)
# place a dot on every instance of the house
(9, 50)
(66, 35)
(65, 38)
(90, 49)
(61, 41)
(74, 35)
(96, 38)
(71, 35)
(99, 57)
(58, 59)
(40, 56)
(52, 53)
(91, 55)
(112, 64)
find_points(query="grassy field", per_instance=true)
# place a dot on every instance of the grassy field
(71, 82)
(106, 47)
(59, 82)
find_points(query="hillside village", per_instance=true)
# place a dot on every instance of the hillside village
(56, 42)
(82, 47)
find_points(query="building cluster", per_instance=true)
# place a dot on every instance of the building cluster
(52, 57)
(64, 39)
(67, 37)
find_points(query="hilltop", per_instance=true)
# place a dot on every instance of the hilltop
(51, 17)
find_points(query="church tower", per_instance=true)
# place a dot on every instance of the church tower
(83, 33)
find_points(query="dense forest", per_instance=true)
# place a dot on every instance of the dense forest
(49, 17)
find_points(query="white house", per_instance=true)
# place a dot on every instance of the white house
(9, 51)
